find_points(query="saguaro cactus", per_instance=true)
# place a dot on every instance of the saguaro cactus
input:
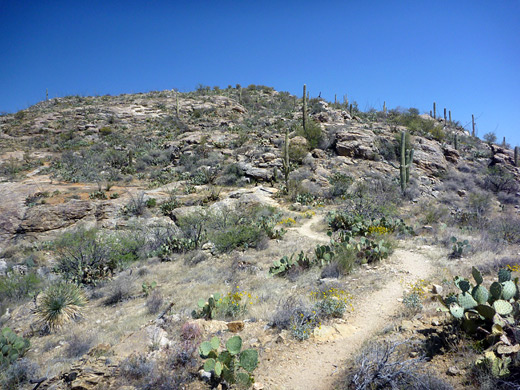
(472, 125)
(286, 161)
(177, 104)
(406, 162)
(304, 108)
(450, 116)
(445, 118)
(434, 111)
(384, 108)
(46, 94)
(456, 142)
(516, 155)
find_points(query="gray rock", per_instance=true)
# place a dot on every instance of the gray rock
(3, 267)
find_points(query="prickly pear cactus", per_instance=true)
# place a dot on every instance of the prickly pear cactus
(12, 347)
(456, 311)
(508, 290)
(496, 290)
(480, 294)
(504, 275)
(231, 365)
(466, 301)
(502, 307)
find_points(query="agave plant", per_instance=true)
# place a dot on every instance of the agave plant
(60, 303)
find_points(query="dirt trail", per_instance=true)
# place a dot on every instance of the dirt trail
(306, 229)
(315, 365)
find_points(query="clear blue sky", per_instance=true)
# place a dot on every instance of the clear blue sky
(465, 55)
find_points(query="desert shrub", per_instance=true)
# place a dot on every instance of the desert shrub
(60, 303)
(136, 206)
(376, 196)
(506, 229)
(15, 286)
(340, 183)
(136, 367)
(386, 365)
(312, 133)
(169, 205)
(154, 302)
(332, 302)
(435, 214)
(83, 258)
(237, 237)
(479, 203)
(126, 246)
(78, 344)
(499, 179)
(231, 175)
(288, 308)
(490, 137)
(507, 198)
(119, 291)
(346, 258)
(18, 374)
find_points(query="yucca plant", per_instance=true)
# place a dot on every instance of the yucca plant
(60, 303)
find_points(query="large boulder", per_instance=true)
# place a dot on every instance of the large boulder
(429, 156)
(451, 154)
(357, 143)
(44, 218)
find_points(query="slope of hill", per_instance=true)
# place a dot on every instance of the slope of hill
(152, 202)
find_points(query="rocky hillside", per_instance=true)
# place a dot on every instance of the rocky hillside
(175, 196)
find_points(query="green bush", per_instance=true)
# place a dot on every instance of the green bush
(15, 286)
(242, 236)
(312, 133)
(83, 258)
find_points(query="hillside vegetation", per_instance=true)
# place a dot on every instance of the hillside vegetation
(245, 237)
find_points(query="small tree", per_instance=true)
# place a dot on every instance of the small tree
(490, 138)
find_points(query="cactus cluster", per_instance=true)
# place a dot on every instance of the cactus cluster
(457, 248)
(232, 365)
(324, 254)
(280, 267)
(207, 308)
(12, 347)
(492, 313)
(476, 305)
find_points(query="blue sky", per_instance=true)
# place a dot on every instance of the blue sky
(465, 55)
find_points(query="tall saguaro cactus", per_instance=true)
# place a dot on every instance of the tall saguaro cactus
(304, 124)
(472, 125)
(177, 104)
(517, 151)
(406, 162)
(450, 116)
(445, 119)
(286, 161)
(434, 111)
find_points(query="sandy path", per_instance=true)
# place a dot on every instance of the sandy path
(316, 365)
